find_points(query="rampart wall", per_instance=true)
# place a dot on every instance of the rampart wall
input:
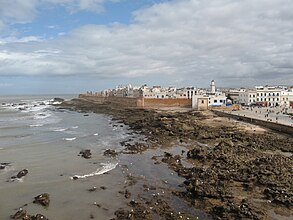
(167, 102)
(267, 124)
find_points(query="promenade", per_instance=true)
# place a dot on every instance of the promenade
(272, 114)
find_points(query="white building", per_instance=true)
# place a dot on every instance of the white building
(212, 97)
(247, 97)
(268, 95)
(286, 98)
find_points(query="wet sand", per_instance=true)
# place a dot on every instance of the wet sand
(196, 165)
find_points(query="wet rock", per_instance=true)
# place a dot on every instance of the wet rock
(197, 153)
(42, 199)
(103, 187)
(85, 153)
(92, 189)
(4, 165)
(39, 217)
(135, 148)
(22, 173)
(280, 196)
(122, 214)
(20, 214)
(110, 153)
(58, 100)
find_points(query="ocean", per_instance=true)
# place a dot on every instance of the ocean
(36, 136)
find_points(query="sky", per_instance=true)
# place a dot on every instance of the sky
(73, 46)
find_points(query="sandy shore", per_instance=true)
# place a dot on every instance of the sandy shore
(227, 169)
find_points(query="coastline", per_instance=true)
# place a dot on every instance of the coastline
(230, 169)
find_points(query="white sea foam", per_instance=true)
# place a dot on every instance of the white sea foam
(96, 134)
(61, 129)
(106, 167)
(37, 125)
(70, 139)
(74, 127)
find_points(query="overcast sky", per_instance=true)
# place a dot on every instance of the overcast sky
(71, 46)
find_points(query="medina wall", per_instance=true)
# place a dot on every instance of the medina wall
(151, 103)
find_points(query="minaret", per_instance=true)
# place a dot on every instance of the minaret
(213, 87)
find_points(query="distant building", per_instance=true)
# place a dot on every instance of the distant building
(268, 95)
(247, 97)
(210, 98)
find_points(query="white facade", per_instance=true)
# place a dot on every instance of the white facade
(268, 95)
(286, 98)
(248, 97)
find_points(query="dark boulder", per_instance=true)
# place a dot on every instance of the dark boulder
(85, 153)
(58, 100)
(22, 173)
(20, 214)
(43, 199)
(110, 153)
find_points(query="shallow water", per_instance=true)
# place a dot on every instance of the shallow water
(37, 137)
(46, 141)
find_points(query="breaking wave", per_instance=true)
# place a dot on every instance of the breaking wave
(106, 167)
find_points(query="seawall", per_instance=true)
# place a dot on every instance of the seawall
(267, 124)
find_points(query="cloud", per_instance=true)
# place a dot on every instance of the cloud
(236, 42)
(24, 11)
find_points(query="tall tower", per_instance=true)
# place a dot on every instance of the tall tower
(213, 86)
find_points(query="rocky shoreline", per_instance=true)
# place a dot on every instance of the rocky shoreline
(231, 170)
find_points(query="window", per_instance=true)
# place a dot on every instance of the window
(202, 101)
(221, 101)
(215, 101)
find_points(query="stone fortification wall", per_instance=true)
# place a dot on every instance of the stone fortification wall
(124, 101)
(267, 124)
(112, 100)
(167, 102)
(92, 98)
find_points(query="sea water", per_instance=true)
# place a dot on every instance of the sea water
(45, 140)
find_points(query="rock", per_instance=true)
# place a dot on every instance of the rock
(197, 153)
(39, 217)
(110, 153)
(42, 199)
(85, 153)
(127, 194)
(20, 214)
(4, 165)
(58, 100)
(280, 196)
(22, 173)
(92, 189)
(103, 187)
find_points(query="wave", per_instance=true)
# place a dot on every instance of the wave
(74, 127)
(61, 129)
(37, 125)
(106, 167)
(96, 134)
(70, 139)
